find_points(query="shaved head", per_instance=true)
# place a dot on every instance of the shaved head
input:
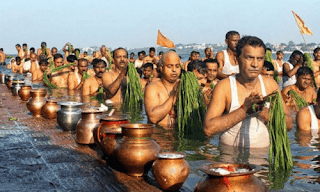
(168, 55)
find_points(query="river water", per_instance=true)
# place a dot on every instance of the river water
(305, 175)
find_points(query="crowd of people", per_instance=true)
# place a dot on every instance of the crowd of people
(232, 81)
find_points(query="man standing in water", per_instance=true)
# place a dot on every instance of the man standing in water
(227, 58)
(20, 51)
(316, 65)
(113, 80)
(75, 79)
(230, 110)
(92, 85)
(43, 51)
(59, 78)
(209, 54)
(160, 96)
(2, 57)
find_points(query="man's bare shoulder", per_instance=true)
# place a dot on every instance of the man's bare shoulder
(270, 84)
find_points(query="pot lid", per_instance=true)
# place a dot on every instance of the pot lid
(70, 103)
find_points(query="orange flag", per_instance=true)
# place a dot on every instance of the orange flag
(164, 41)
(303, 29)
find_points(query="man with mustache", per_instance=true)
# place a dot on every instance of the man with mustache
(92, 85)
(114, 80)
(303, 87)
(160, 96)
(230, 110)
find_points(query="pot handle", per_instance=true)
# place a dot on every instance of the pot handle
(97, 134)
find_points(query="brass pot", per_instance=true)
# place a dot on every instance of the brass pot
(108, 133)
(36, 102)
(170, 170)
(244, 182)
(49, 110)
(86, 125)
(136, 151)
(24, 92)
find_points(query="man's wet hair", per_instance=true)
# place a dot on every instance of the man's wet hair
(231, 33)
(57, 56)
(148, 65)
(161, 53)
(198, 53)
(212, 61)
(85, 52)
(18, 45)
(98, 61)
(43, 61)
(25, 45)
(18, 58)
(1, 49)
(139, 71)
(200, 66)
(304, 70)
(316, 50)
(249, 40)
(268, 66)
(43, 44)
(152, 49)
(206, 49)
(294, 54)
(54, 48)
(143, 52)
(132, 53)
(172, 50)
(120, 48)
(71, 58)
(279, 52)
(83, 60)
(269, 49)
(32, 49)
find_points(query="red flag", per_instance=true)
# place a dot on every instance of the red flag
(164, 41)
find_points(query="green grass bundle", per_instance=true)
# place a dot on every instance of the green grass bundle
(70, 49)
(269, 59)
(53, 69)
(279, 151)
(77, 54)
(212, 86)
(85, 75)
(109, 59)
(309, 60)
(191, 105)
(298, 100)
(99, 97)
(133, 99)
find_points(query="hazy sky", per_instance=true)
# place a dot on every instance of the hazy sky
(135, 23)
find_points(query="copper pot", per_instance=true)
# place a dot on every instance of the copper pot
(170, 170)
(136, 151)
(36, 102)
(108, 133)
(24, 92)
(245, 182)
(85, 126)
(49, 110)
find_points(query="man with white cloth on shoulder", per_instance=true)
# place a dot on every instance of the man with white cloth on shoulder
(230, 110)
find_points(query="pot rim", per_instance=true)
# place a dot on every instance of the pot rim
(39, 90)
(137, 126)
(70, 103)
(26, 87)
(162, 155)
(91, 110)
(113, 118)
(206, 169)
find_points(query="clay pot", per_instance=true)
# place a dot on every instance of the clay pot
(108, 133)
(24, 92)
(68, 115)
(244, 182)
(86, 125)
(170, 170)
(36, 102)
(136, 151)
(16, 86)
(49, 110)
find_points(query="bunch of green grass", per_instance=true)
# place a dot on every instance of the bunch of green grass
(85, 75)
(77, 54)
(279, 151)
(298, 100)
(70, 49)
(191, 105)
(109, 59)
(133, 99)
(99, 97)
(212, 86)
(269, 58)
(309, 64)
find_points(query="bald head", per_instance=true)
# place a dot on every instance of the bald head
(169, 55)
(170, 66)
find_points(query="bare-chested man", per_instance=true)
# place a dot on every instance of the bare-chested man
(34, 63)
(54, 51)
(92, 85)
(132, 59)
(160, 96)
(66, 50)
(230, 110)
(212, 80)
(291, 67)
(37, 75)
(26, 53)
(2, 57)
(43, 51)
(227, 58)
(193, 57)
(151, 58)
(75, 79)
(20, 51)
(316, 65)
(18, 66)
(139, 61)
(147, 75)
(59, 78)
(303, 87)
(113, 80)
(209, 54)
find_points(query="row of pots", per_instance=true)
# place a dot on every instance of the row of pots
(132, 145)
